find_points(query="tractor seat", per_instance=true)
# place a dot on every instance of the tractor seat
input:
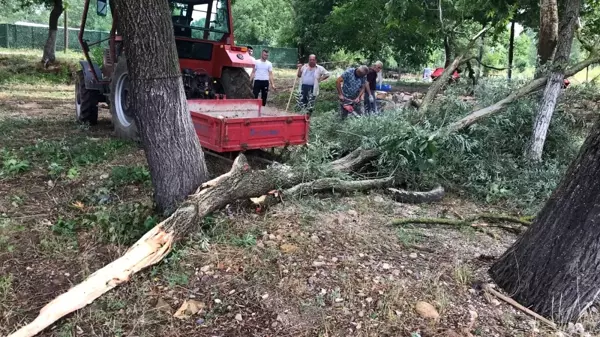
(181, 26)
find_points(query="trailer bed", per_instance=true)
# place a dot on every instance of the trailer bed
(230, 125)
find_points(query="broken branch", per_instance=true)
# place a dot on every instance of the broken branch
(529, 88)
(514, 303)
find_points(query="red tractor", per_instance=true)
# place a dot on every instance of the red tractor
(216, 83)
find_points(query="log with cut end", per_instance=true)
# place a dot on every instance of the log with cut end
(239, 183)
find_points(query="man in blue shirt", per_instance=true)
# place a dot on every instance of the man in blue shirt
(350, 87)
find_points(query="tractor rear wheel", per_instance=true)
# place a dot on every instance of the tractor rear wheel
(122, 113)
(236, 83)
(86, 101)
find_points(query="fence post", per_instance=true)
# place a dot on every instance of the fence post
(66, 30)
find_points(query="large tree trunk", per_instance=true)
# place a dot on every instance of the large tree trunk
(553, 267)
(548, 35)
(553, 87)
(156, 94)
(511, 49)
(50, 46)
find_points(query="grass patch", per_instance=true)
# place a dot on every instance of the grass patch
(24, 67)
(126, 175)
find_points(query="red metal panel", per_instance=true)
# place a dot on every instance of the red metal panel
(238, 125)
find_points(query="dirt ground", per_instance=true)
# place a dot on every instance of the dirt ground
(73, 198)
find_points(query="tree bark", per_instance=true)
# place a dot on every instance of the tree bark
(511, 49)
(553, 267)
(447, 52)
(548, 35)
(49, 55)
(529, 88)
(480, 57)
(546, 107)
(165, 126)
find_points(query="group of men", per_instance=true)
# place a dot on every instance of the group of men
(354, 85)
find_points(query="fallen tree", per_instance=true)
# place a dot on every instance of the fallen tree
(527, 89)
(240, 183)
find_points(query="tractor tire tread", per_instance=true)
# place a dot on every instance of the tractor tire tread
(88, 100)
(236, 83)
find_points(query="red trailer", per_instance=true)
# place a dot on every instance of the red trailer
(240, 124)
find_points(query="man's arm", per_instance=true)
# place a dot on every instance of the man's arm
(300, 67)
(362, 91)
(252, 74)
(324, 74)
(271, 78)
(338, 85)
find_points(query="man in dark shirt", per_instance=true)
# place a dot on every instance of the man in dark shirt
(371, 102)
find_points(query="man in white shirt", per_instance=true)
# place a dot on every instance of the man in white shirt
(310, 75)
(262, 74)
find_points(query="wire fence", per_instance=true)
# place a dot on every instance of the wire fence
(34, 37)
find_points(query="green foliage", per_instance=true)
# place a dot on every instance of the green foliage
(12, 164)
(123, 224)
(14, 71)
(125, 175)
(484, 163)
(261, 22)
(64, 156)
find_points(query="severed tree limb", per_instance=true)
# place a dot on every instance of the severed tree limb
(338, 185)
(354, 160)
(412, 197)
(239, 183)
(529, 88)
(435, 88)
(469, 221)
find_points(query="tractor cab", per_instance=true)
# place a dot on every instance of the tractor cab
(201, 19)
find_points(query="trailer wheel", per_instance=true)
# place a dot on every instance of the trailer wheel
(86, 102)
(236, 83)
(122, 113)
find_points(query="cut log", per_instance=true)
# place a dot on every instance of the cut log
(354, 160)
(529, 88)
(413, 197)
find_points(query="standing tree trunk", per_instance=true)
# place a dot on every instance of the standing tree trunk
(548, 35)
(480, 57)
(511, 49)
(65, 31)
(157, 97)
(553, 267)
(447, 52)
(555, 83)
(50, 46)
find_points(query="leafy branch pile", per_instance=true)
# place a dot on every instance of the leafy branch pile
(484, 162)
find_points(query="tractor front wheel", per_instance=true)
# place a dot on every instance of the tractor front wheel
(122, 112)
(236, 83)
(86, 102)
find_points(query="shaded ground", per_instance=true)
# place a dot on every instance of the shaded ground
(72, 199)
